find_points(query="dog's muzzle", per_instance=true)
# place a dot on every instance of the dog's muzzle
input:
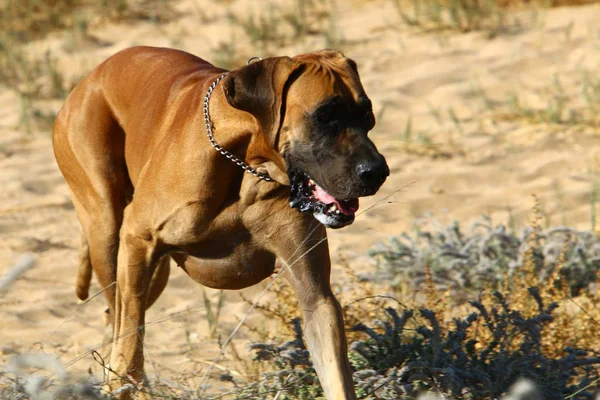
(307, 196)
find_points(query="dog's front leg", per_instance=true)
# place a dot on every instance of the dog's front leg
(309, 271)
(134, 272)
(326, 341)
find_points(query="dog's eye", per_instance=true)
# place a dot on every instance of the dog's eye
(331, 113)
(325, 114)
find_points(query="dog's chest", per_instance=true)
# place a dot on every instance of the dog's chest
(232, 262)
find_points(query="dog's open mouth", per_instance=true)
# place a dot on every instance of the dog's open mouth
(307, 196)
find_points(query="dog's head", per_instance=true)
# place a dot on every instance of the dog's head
(315, 116)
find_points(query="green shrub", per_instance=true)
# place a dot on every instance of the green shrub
(485, 256)
(450, 361)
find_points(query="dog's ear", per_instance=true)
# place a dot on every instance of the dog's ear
(260, 88)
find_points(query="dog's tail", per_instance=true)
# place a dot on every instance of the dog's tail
(84, 273)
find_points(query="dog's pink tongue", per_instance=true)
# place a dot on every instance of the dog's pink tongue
(347, 207)
(323, 196)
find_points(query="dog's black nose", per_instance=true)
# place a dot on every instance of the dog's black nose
(373, 173)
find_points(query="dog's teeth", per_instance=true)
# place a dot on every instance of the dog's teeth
(337, 211)
(311, 181)
(333, 208)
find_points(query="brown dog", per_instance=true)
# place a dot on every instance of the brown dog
(133, 141)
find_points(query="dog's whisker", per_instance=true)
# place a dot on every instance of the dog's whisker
(315, 226)
(383, 201)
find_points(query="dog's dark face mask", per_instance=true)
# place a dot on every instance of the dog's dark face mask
(330, 159)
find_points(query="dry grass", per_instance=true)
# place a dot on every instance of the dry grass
(26, 20)
(545, 3)
(490, 16)
(576, 319)
(275, 26)
(36, 77)
(570, 110)
(462, 15)
(282, 308)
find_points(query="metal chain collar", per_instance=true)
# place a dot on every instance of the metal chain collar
(211, 138)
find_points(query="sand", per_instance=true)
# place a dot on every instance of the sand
(486, 164)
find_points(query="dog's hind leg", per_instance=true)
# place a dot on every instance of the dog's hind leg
(89, 149)
(98, 251)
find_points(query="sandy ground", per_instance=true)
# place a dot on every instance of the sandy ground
(493, 166)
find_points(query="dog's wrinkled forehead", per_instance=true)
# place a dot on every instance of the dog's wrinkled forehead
(326, 74)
